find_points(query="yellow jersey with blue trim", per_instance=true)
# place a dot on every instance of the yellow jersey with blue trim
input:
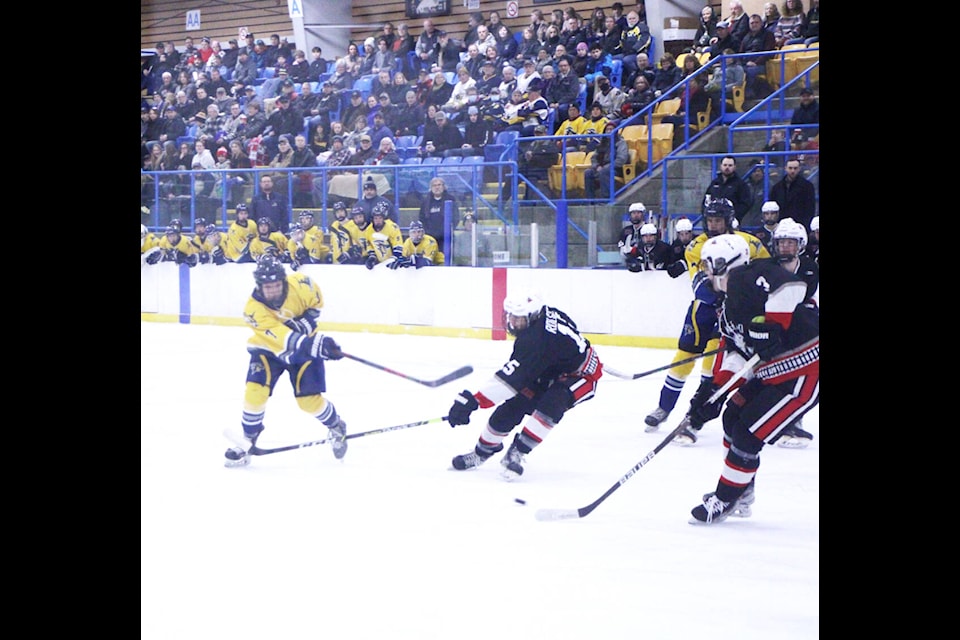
(692, 254)
(272, 330)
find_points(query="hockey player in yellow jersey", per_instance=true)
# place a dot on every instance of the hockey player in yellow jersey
(304, 248)
(214, 246)
(700, 332)
(149, 246)
(283, 312)
(175, 247)
(199, 237)
(384, 240)
(239, 235)
(419, 250)
(267, 241)
(345, 244)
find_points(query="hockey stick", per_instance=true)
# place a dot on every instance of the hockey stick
(628, 376)
(450, 377)
(582, 512)
(258, 451)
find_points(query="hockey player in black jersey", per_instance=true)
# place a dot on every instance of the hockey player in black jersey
(789, 245)
(764, 312)
(551, 370)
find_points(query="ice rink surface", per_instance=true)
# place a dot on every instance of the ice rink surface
(390, 543)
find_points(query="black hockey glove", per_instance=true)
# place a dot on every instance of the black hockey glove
(463, 406)
(371, 261)
(190, 260)
(397, 252)
(302, 255)
(204, 258)
(766, 338)
(325, 347)
(306, 323)
(400, 262)
(154, 255)
(217, 256)
(677, 269)
(701, 410)
(355, 253)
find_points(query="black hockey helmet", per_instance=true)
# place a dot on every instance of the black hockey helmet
(269, 269)
(720, 208)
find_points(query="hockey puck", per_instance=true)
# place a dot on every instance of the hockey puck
(519, 501)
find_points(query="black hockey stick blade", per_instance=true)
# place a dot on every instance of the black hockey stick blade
(450, 377)
(582, 512)
(633, 376)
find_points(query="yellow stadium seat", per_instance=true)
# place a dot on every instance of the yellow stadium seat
(556, 172)
(665, 108)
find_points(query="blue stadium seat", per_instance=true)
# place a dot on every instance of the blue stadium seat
(493, 150)
(616, 73)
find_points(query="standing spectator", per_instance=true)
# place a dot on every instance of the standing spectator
(755, 178)
(432, 210)
(790, 25)
(282, 312)
(302, 156)
(795, 194)
(807, 113)
(602, 161)
(428, 44)
(270, 204)
(448, 54)
(727, 185)
(204, 162)
(552, 369)
(756, 41)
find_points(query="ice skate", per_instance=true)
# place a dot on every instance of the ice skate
(744, 508)
(473, 459)
(512, 463)
(238, 456)
(793, 437)
(337, 439)
(654, 418)
(687, 435)
(712, 511)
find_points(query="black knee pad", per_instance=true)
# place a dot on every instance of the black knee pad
(509, 414)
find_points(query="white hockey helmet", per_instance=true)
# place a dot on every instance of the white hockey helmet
(684, 224)
(815, 224)
(637, 206)
(724, 252)
(770, 205)
(526, 305)
(789, 229)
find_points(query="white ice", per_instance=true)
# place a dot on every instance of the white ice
(392, 544)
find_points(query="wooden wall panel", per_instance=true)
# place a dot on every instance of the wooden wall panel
(166, 20)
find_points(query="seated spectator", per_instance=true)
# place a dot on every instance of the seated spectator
(603, 160)
(807, 113)
(790, 25)
(667, 76)
(572, 126)
(690, 106)
(637, 99)
(810, 32)
(757, 41)
(440, 137)
(478, 132)
(409, 117)
(537, 157)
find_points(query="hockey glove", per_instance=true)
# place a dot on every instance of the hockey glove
(397, 252)
(306, 323)
(325, 347)
(702, 410)
(419, 262)
(154, 255)
(463, 406)
(766, 338)
(677, 269)
(355, 253)
(302, 255)
(190, 260)
(371, 261)
(344, 258)
(217, 256)
(400, 262)
(204, 258)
